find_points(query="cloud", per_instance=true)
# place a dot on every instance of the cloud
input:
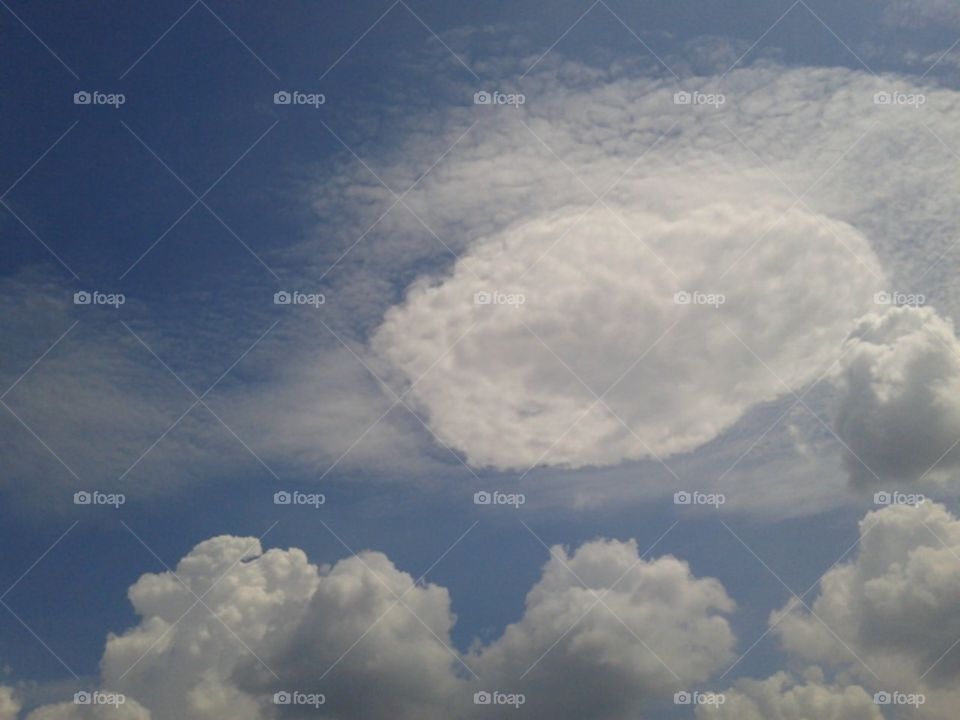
(921, 13)
(129, 710)
(888, 617)
(600, 316)
(9, 705)
(656, 629)
(275, 622)
(898, 407)
(781, 696)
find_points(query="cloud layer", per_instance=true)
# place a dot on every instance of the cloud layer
(604, 633)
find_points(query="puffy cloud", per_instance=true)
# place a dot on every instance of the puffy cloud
(781, 697)
(598, 315)
(657, 628)
(129, 710)
(893, 608)
(9, 705)
(898, 408)
(341, 631)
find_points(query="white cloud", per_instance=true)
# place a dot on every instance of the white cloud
(388, 659)
(9, 705)
(602, 303)
(129, 710)
(920, 13)
(783, 698)
(893, 607)
(898, 408)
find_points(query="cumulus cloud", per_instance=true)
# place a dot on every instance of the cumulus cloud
(9, 705)
(376, 643)
(129, 710)
(898, 407)
(893, 608)
(781, 696)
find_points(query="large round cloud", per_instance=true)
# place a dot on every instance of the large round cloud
(600, 316)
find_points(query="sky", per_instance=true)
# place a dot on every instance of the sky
(461, 360)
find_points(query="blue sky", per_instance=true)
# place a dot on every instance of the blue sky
(819, 212)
